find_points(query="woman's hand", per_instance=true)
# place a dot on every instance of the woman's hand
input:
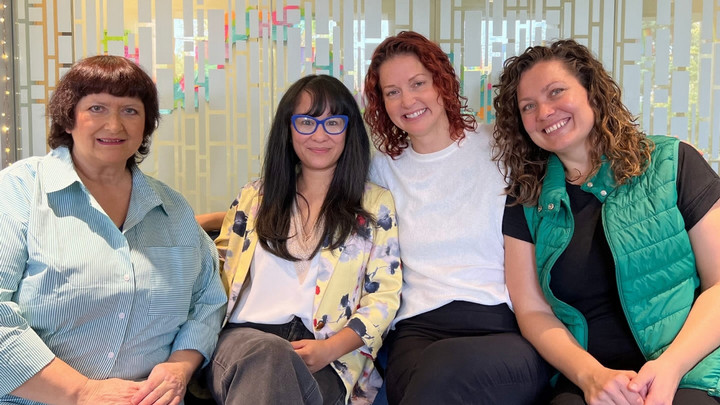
(319, 353)
(165, 385)
(608, 386)
(314, 353)
(168, 381)
(111, 391)
(658, 380)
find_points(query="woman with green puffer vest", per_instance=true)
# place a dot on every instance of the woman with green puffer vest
(611, 247)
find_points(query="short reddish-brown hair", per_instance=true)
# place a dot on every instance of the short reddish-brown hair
(386, 136)
(113, 75)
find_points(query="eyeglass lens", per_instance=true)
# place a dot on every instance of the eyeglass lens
(308, 125)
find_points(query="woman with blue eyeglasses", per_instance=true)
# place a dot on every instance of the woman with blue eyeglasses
(310, 259)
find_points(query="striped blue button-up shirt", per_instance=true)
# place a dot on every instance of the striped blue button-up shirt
(110, 303)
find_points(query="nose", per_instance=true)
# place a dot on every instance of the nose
(545, 110)
(407, 99)
(113, 123)
(320, 134)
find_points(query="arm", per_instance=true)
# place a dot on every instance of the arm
(319, 353)
(701, 332)
(29, 368)
(195, 341)
(60, 384)
(380, 295)
(551, 338)
(211, 221)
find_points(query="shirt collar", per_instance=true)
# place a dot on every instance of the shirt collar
(143, 199)
(553, 192)
(61, 174)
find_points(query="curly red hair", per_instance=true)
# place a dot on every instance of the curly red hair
(386, 136)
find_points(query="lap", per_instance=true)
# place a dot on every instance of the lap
(458, 333)
(478, 351)
(567, 393)
(235, 344)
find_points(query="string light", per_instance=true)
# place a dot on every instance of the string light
(6, 85)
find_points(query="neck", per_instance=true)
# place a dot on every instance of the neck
(576, 172)
(107, 175)
(430, 144)
(314, 185)
(434, 141)
(577, 165)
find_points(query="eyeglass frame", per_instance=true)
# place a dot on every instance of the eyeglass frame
(318, 123)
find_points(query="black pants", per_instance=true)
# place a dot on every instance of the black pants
(567, 393)
(464, 353)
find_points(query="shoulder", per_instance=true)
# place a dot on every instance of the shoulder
(22, 170)
(481, 137)
(376, 196)
(381, 160)
(172, 200)
(250, 191)
(664, 145)
(19, 177)
(380, 167)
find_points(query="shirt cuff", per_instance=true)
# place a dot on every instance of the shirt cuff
(21, 359)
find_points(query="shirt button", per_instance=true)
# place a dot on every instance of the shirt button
(603, 193)
(551, 206)
(111, 355)
(320, 325)
(126, 277)
(590, 184)
(539, 208)
(121, 315)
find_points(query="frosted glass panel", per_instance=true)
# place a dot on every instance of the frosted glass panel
(222, 65)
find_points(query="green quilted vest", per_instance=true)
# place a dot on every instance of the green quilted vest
(654, 262)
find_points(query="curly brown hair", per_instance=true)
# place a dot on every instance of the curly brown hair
(615, 133)
(113, 75)
(386, 136)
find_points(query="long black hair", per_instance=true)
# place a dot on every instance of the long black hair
(343, 203)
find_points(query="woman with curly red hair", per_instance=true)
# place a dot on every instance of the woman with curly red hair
(611, 240)
(455, 329)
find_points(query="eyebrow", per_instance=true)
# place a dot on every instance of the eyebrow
(544, 89)
(409, 80)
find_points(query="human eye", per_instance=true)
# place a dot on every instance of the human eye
(418, 83)
(131, 111)
(392, 93)
(527, 107)
(556, 91)
(95, 108)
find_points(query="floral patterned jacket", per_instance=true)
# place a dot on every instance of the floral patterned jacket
(358, 284)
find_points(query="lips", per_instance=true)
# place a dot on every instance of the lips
(556, 126)
(415, 114)
(111, 141)
(319, 150)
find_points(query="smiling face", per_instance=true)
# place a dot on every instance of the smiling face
(411, 100)
(108, 130)
(318, 151)
(555, 110)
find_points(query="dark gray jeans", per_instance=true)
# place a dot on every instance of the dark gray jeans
(255, 364)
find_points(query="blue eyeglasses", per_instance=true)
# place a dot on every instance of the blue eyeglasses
(307, 124)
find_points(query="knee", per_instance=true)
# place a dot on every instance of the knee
(501, 359)
(269, 348)
(249, 349)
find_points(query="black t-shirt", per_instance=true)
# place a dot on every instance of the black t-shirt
(593, 291)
